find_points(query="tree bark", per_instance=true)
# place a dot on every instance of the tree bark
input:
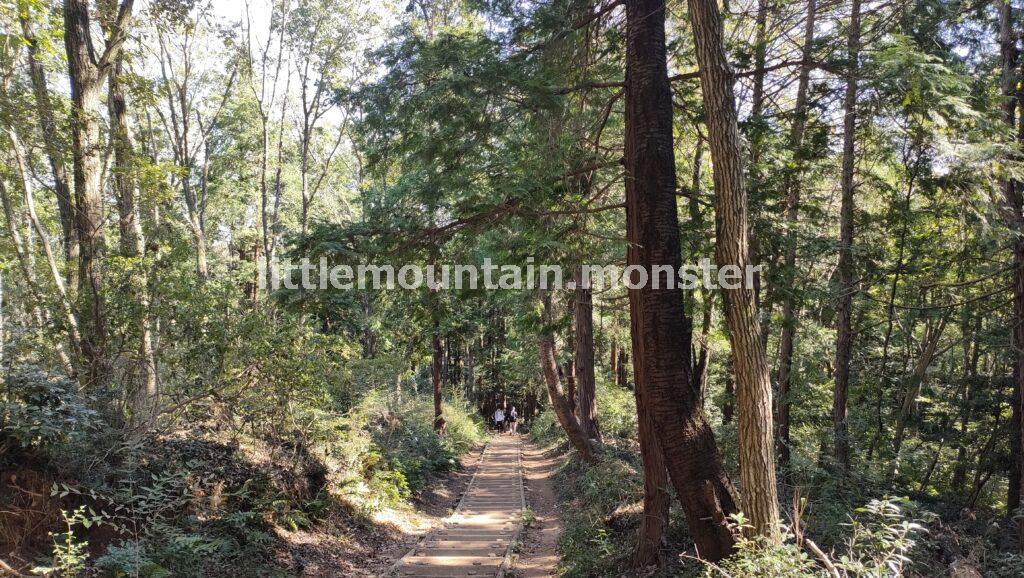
(969, 330)
(753, 386)
(51, 143)
(87, 74)
(435, 372)
(559, 403)
(661, 329)
(792, 186)
(844, 313)
(622, 376)
(1015, 221)
(585, 382)
(21, 250)
(656, 497)
(613, 362)
(914, 381)
(146, 398)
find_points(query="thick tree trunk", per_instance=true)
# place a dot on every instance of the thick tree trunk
(146, 396)
(1015, 221)
(792, 186)
(844, 313)
(88, 76)
(753, 386)
(661, 330)
(656, 498)
(584, 360)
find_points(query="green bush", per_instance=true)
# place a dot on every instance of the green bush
(44, 412)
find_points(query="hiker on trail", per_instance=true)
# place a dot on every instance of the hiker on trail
(499, 419)
(513, 419)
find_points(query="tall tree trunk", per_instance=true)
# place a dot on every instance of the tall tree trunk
(22, 163)
(435, 372)
(559, 403)
(969, 329)
(613, 361)
(622, 375)
(146, 397)
(584, 360)
(1015, 222)
(568, 373)
(844, 329)
(51, 143)
(914, 381)
(656, 497)
(661, 329)
(88, 76)
(700, 367)
(753, 386)
(21, 250)
(792, 187)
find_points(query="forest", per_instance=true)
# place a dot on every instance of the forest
(772, 323)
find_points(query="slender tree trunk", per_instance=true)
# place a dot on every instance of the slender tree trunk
(51, 143)
(613, 362)
(21, 250)
(568, 373)
(753, 387)
(969, 332)
(700, 368)
(844, 329)
(622, 375)
(147, 396)
(792, 186)
(913, 384)
(21, 161)
(661, 329)
(584, 360)
(435, 372)
(728, 405)
(560, 404)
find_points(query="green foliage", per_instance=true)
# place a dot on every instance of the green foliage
(756, 557)
(599, 513)
(882, 535)
(69, 552)
(394, 449)
(878, 544)
(44, 412)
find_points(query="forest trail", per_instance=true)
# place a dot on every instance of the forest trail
(477, 539)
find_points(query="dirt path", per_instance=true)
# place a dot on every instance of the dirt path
(538, 555)
(477, 538)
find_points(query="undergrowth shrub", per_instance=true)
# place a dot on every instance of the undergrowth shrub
(209, 499)
(392, 447)
(880, 539)
(600, 513)
(44, 412)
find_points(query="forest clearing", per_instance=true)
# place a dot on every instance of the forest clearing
(512, 288)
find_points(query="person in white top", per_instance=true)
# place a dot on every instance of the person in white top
(499, 419)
